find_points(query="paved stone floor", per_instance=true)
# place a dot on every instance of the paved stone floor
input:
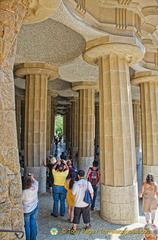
(99, 227)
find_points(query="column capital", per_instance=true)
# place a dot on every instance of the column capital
(142, 77)
(24, 69)
(128, 47)
(52, 93)
(85, 85)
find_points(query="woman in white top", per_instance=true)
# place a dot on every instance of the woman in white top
(30, 206)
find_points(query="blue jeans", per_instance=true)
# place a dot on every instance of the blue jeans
(59, 193)
(30, 224)
(95, 188)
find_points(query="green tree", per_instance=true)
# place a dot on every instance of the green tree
(59, 125)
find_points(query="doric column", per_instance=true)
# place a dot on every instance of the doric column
(37, 76)
(12, 14)
(136, 120)
(51, 94)
(148, 83)
(68, 127)
(19, 109)
(117, 148)
(86, 123)
(97, 130)
(64, 127)
(74, 127)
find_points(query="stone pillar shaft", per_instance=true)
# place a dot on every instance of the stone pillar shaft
(74, 131)
(148, 83)
(86, 128)
(48, 145)
(86, 123)
(69, 123)
(12, 14)
(36, 116)
(136, 119)
(97, 128)
(149, 102)
(116, 125)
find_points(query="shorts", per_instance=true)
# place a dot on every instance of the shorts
(85, 211)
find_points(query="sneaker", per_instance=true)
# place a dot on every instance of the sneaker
(88, 227)
(92, 209)
(52, 214)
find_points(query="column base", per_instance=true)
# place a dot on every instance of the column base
(119, 205)
(40, 176)
(137, 155)
(85, 162)
(150, 169)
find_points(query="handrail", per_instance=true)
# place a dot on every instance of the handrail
(16, 232)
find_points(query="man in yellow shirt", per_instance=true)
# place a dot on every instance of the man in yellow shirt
(59, 191)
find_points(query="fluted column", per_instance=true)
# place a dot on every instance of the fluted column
(74, 127)
(117, 148)
(86, 123)
(12, 14)
(64, 127)
(97, 130)
(37, 76)
(51, 93)
(148, 83)
(136, 119)
(68, 127)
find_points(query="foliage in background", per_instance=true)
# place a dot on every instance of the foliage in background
(58, 125)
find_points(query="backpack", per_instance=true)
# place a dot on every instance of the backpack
(93, 177)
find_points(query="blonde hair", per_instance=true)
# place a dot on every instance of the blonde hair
(53, 160)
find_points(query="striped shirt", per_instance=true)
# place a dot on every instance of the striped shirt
(59, 177)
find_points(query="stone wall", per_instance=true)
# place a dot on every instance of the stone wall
(12, 13)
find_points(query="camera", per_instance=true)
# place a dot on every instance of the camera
(30, 174)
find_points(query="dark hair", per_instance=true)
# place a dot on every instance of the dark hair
(95, 163)
(27, 183)
(81, 173)
(72, 179)
(150, 178)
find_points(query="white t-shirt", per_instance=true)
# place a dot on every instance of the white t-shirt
(30, 198)
(79, 189)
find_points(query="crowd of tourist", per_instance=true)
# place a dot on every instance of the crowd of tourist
(67, 183)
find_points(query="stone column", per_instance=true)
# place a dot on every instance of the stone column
(12, 14)
(68, 128)
(86, 123)
(37, 75)
(74, 128)
(148, 83)
(136, 119)
(64, 127)
(97, 130)
(22, 122)
(119, 197)
(18, 118)
(52, 124)
(51, 93)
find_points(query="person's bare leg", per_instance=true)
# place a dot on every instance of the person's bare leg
(71, 214)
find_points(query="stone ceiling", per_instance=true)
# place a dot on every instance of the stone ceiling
(60, 41)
